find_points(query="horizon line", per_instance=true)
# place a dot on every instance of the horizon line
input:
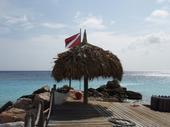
(124, 70)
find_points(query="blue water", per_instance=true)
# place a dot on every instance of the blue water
(14, 84)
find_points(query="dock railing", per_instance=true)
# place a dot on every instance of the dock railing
(38, 117)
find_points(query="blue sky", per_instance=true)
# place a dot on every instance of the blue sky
(32, 32)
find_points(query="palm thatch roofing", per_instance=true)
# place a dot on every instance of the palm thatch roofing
(86, 60)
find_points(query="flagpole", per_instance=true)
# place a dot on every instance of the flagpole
(80, 35)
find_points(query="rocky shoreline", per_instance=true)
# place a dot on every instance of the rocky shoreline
(13, 114)
(114, 92)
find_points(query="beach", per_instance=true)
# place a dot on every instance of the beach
(17, 83)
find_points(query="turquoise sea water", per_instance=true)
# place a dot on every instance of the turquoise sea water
(14, 84)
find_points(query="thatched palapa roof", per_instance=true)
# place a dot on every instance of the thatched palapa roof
(86, 60)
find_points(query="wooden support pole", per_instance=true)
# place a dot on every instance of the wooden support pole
(54, 87)
(85, 89)
(70, 82)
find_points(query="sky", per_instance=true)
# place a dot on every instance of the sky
(32, 32)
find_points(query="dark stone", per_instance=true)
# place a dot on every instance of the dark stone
(93, 92)
(31, 96)
(116, 91)
(42, 90)
(124, 88)
(105, 94)
(64, 89)
(91, 89)
(43, 97)
(112, 84)
(119, 90)
(6, 106)
(12, 115)
(23, 103)
(111, 93)
(133, 95)
(101, 88)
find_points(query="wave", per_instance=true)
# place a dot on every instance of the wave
(146, 73)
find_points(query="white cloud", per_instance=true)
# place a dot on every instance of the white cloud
(16, 19)
(110, 40)
(40, 50)
(77, 14)
(92, 22)
(149, 52)
(147, 41)
(124, 42)
(160, 13)
(162, 1)
(23, 22)
(53, 25)
(158, 16)
(135, 52)
(112, 22)
(16, 22)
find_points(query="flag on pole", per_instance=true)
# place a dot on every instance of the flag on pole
(73, 41)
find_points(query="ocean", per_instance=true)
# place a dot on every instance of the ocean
(14, 84)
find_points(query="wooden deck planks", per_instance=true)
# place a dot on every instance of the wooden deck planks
(75, 114)
(141, 115)
(98, 113)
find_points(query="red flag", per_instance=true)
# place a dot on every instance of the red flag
(72, 41)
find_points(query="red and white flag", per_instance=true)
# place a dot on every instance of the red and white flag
(72, 41)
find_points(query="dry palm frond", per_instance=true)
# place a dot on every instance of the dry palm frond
(86, 60)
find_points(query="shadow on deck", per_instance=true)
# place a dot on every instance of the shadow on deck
(78, 111)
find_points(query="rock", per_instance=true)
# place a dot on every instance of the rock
(101, 88)
(13, 124)
(112, 84)
(124, 88)
(12, 115)
(133, 95)
(93, 92)
(6, 106)
(23, 103)
(45, 97)
(67, 87)
(90, 92)
(31, 96)
(42, 90)
(64, 89)
(91, 89)
(116, 91)
(105, 94)
(119, 90)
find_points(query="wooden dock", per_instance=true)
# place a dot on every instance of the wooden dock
(97, 113)
(77, 114)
